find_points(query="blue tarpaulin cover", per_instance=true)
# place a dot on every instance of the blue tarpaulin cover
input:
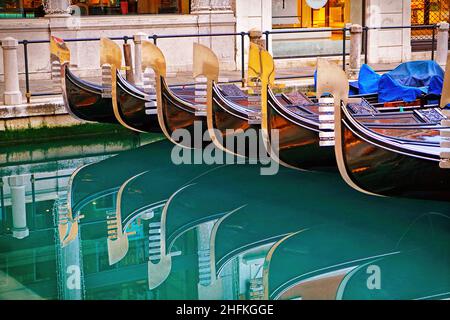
(368, 80)
(410, 80)
(407, 82)
(391, 90)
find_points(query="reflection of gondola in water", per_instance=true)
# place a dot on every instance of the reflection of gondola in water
(102, 179)
(243, 219)
(141, 195)
(185, 210)
(423, 277)
(325, 256)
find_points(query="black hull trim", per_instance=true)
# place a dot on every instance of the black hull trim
(299, 140)
(84, 100)
(180, 114)
(135, 108)
(233, 129)
(380, 166)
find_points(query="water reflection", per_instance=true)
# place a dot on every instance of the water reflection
(121, 221)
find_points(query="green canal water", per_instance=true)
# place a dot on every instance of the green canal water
(112, 217)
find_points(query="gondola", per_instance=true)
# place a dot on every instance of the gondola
(181, 120)
(230, 120)
(133, 108)
(374, 163)
(141, 194)
(304, 132)
(83, 100)
(137, 110)
(324, 256)
(296, 118)
(173, 112)
(102, 179)
(413, 275)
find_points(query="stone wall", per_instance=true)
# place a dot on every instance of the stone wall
(252, 14)
(214, 16)
(388, 46)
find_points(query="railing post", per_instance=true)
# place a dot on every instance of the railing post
(256, 36)
(128, 60)
(433, 42)
(344, 49)
(138, 38)
(243, 59)
(356, 32)
(442, 43)
(267, 34)
(12, 95)
(366, 34)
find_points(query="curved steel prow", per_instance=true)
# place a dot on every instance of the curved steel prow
(110, 53)
(59, 58)
(268, 260)
(68, 225)
(445, 97)
(332, 79)
(153, 57)
(72, 235)
(59, 50)
(117, 249)
(206, 63)
(158, 273)
(111, 56)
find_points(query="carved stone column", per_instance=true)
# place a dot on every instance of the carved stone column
(217, 16)
(199, 6)
(58, 8)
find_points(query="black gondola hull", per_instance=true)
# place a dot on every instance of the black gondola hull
(84, 100)
(135, 110)
(298, 142)
(379, 167)
(230, 121)
(179, 117)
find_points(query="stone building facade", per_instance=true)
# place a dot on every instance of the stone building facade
(220, 16)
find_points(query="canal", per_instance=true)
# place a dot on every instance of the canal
(113, 217)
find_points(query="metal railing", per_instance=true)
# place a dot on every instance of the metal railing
(242, 40)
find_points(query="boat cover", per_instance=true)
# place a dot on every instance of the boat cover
(368, 80)
(407, 82)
